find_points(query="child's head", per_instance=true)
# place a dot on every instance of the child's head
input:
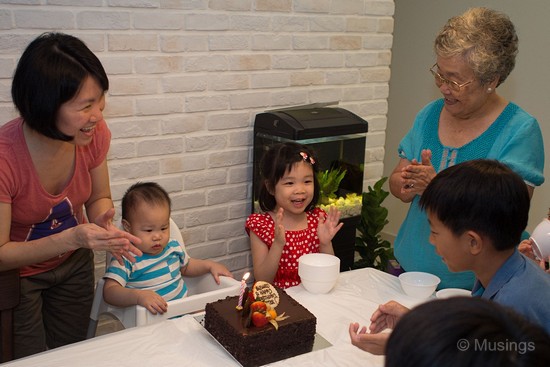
(146, 214)
(296, 164)
(482, 195)
(466, 331)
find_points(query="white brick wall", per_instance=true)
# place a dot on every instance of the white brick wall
(188, 76)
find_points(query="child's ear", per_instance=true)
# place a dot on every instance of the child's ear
(475, 242)
(126, 225)
(269, 189)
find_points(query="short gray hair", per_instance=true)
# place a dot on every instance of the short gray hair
(485, 38)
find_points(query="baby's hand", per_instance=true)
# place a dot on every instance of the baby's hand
(217, 269)
(152, 302)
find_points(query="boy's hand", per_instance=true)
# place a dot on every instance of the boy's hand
(152, 302)
(372, 343)
(386, 316)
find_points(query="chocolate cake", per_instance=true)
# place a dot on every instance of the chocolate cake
(255, 346)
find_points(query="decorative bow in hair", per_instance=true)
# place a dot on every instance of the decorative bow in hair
(307, 158)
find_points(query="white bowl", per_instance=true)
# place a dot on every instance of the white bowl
(453, 292)
(318, 272)
(418, 284)
(541, 239)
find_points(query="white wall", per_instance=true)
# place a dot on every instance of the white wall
(411, 85)
(188, 77)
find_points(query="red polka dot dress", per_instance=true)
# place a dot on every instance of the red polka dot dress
(298, 243)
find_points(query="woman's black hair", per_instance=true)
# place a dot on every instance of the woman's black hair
(276, 161)
(49, 73)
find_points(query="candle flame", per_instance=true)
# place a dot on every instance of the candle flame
(246, 275)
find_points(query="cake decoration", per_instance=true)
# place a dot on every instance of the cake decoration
(242, 292)
(292, 336)
(266, 292)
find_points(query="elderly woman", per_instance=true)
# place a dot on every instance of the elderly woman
(475, 52)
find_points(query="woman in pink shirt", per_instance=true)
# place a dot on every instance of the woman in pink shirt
(53, 178)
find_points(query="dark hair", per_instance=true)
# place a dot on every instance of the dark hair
(466, 331)
(148, 192)
(50, 72)
(481, 195)
(276, 161)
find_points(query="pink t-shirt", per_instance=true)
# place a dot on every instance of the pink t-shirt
(34, 212)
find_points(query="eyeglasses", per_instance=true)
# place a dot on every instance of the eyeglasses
(439, 80)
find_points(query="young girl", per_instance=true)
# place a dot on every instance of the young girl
(291, 225)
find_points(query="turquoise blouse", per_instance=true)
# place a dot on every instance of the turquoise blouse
(514, 139)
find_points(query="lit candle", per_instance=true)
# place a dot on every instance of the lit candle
(243, 285)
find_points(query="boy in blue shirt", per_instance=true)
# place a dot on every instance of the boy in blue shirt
(477, 211)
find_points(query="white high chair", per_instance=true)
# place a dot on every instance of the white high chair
(200, 291)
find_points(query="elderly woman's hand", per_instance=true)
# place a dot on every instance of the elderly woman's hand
(417, 175)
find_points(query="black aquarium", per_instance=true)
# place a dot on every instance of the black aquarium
(338, 138)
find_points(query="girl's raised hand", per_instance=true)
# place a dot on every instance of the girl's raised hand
(329, 226)
(279, 236)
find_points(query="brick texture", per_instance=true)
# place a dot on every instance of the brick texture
(188, 77)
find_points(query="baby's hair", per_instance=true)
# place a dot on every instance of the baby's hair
(279, 159)
(148, 192)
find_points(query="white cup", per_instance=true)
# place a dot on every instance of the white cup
(541, 239)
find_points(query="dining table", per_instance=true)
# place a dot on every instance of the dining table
(184, 341)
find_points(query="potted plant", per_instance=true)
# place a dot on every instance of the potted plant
(373, 250)
(329, 181)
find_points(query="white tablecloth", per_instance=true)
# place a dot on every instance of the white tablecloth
(183, 341)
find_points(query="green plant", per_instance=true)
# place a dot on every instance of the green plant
(374, 251)
(329, 181)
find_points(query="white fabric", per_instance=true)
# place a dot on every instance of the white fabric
(184, 341)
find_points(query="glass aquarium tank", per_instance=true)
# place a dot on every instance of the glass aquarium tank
(338, 138)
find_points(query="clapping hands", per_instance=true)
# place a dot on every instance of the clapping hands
(329, 226)
(417, 175)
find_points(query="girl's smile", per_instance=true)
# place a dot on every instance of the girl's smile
(294, 191)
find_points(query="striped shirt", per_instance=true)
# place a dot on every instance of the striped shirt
(160, 273)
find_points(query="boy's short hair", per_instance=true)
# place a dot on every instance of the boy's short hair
(148, 192)
(49, 73)
(466, 331)
(481, 195)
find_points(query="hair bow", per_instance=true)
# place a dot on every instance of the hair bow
(307, 158)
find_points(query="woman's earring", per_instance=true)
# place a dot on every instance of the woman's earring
(489, 90)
